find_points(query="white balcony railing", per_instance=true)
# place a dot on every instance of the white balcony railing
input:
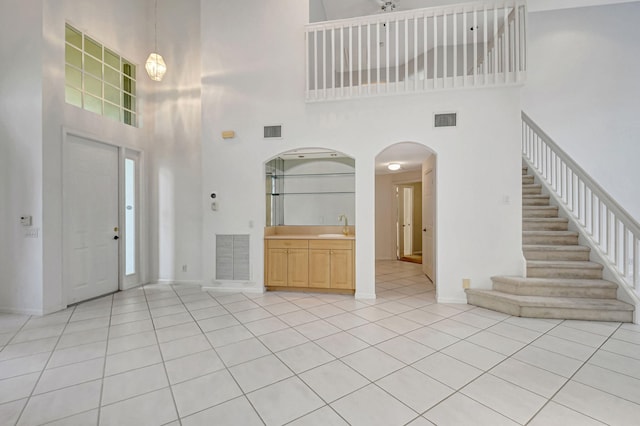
(608, 228)
(454, 46)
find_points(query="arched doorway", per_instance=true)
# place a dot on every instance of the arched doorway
(405, 209)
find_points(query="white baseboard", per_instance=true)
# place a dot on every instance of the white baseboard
(21, 311)
(234, 286)
(126, 287)
(178, 282)
(361, 295)
(456, 300)
(52, 309)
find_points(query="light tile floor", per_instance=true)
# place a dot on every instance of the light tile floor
(176, 355)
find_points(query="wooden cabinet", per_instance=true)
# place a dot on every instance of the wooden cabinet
(287, 263)
(342, 269)
(314, 264)
(319, 268)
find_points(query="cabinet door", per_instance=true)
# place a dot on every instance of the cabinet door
(319, 268)
(298, 268)
(277, 267)
(342, 269)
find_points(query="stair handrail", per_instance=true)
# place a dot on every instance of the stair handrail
(612, 231)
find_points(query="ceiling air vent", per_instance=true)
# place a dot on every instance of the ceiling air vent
(273, 132)
(445, 120)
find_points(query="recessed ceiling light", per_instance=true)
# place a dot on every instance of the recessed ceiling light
(393, 166)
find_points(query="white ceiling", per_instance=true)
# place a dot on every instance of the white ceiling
(339, 9)
(409, 155)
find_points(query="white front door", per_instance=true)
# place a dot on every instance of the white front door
(90, 219)
(428, 249)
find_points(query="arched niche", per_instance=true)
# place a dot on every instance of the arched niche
(309, 187)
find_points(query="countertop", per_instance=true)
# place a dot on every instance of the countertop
(307, 237)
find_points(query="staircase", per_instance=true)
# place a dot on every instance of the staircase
(561, 282)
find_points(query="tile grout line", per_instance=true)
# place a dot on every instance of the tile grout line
(164, 365)
(44, 367)
(226, 368)
(104, 364)
(571, 378)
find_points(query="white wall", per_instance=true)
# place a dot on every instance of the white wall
(583, 90)
(116, 24)
(541, 5)
(316, 11)
(253, 74)
(20, 155)
(174, 166)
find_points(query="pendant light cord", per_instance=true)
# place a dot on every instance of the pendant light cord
(155, 28)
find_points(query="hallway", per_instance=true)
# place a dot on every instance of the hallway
(176, 355)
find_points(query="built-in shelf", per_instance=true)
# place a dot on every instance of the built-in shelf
(283, 176)
(310, 193)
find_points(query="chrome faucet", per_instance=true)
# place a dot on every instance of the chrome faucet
(345, 229)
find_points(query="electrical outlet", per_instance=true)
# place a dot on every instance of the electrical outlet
(466, 283)
(184, 268)
(31, 232)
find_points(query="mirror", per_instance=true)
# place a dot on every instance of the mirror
(310, 187)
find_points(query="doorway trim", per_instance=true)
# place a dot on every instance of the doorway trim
(398, 184)
(140, 231)
(141, 246)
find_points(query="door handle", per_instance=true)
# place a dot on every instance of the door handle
(116, 237)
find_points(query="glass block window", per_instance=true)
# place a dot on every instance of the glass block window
(98, 79)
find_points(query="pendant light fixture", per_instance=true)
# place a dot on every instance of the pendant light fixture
(155, 66)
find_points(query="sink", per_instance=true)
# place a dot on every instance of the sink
(332, 235)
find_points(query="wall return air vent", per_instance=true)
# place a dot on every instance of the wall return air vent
(449, 119)
(273, 132)
(232, 257)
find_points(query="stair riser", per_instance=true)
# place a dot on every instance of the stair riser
(577, 273)
(493, 304)
(556, 255)
(555, 313)
(526, 190)
(544, 226)
(559, 240)
(536, 213)
(524, 171)
(535, 201)
(556, 291)
(576, 314)
(527, 179)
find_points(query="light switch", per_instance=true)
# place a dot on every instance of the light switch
(25, 220)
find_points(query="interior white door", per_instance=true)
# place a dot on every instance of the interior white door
(399, 220)
(428, 249)
(408, 220)
(90, 223)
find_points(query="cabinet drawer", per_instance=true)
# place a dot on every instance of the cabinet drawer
(331, 244)
(288, 244)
